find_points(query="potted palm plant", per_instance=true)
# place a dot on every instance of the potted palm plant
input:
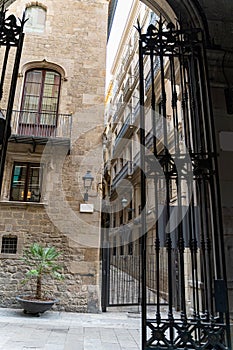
(41, 262)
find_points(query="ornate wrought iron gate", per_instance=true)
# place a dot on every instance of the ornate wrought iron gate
(11, 39)
(184, 161)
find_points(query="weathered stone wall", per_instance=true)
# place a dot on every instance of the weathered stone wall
(73, 43)
(80, 265)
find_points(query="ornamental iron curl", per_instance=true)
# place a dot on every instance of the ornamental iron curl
(11, 36)
(9, 29)
(168, 39)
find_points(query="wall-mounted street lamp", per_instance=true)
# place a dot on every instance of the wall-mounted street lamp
(87, 181)
(124, 202)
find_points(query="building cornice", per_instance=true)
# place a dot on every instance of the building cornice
(126, 32)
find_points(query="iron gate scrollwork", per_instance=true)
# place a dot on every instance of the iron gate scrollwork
(190, 232)
(11, 39)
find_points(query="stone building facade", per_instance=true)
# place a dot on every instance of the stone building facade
(56, 136)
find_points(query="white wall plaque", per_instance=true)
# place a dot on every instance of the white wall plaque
(86, 208)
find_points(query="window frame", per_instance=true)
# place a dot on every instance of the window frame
(40, 102)
(39, 108)
(9, 236)
(27, 182)
(33, 25)
(20, 244)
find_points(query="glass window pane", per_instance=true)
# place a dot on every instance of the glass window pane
(36, 16)
(41, 16)
(49, 104)
(41, 94)
(18, 182)
(34, 76)
(33, 193)
(30, 103)
(32, 89)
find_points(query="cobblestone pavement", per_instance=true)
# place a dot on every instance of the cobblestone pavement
(69, 331)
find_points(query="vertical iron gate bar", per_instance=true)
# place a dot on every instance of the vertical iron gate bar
(157, 240)
(105, 257)
(4, 69)
(184, 102)
(218, 198)
(208, 253)
(200, 195)
(165, 162)
(153, 116)
(182, 227)
(174, 105)
(143, 236)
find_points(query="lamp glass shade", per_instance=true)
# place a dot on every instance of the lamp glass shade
(88, 179)
(124, 202)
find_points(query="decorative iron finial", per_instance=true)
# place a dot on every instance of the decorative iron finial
(139, 29)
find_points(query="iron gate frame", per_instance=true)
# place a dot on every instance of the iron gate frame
(202, 330)
(11, 36)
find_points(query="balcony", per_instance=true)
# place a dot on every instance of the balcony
(118, 112)
(125, 132)
(136, 70)
(148, 80)
(126, 171)
(107, 168)
(136, 112)
(129, 87)
(33, 127)
(127, 59)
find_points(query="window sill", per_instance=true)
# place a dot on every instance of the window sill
(9, 256)
(15, 203)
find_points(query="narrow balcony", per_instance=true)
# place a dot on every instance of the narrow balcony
(125, 132)
(129, 85)
(136, 112)
(34, 127)
(119, 110)
(107, 168)
(127, 58)
(126, 171)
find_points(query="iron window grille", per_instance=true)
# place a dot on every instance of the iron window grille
(9, 244)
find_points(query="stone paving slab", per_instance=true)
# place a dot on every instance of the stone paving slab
(68, 331)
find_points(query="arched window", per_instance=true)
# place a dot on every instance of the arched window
(40, 102)
(36, 18)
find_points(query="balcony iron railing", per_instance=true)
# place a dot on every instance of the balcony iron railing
(52, 125)
(136, 111)
(126, 170)
(119, 111)
(127, 88)
(128, 124)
